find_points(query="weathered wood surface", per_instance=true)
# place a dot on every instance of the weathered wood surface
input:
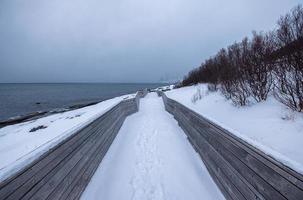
(64, 171)
(240, 170)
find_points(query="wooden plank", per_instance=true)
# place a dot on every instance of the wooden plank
(213, 155)
(280, 184)
(78, 170)
(212, 138)
(283, 170)
(264, 176)
(81, 184)
(216, 169)
(72, 166)
(13, 182)
(57, 172)
(270, 176)
(35, 181)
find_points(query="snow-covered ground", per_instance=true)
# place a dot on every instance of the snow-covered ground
(269, 125)
(151, 158)
(21, 143)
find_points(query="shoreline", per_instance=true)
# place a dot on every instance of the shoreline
(22, 102)
(38, 114)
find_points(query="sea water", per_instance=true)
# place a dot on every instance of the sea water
(19, 99)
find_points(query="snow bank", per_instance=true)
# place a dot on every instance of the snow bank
(165, 88)
(22, 143)
(151, 158)
(269, 125)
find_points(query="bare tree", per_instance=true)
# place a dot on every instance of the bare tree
(251, 69)
(234, 80)
(289, 69)
(258, 70)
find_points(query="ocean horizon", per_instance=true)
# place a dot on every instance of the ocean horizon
(23, 98)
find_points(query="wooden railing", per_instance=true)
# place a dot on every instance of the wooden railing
(240, 170)
(65, 170)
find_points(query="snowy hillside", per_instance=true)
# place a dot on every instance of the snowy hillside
(22, 143)
(269, 125)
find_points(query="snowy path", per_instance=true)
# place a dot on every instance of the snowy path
(151, 159)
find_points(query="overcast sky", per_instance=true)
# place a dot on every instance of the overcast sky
(122, 40)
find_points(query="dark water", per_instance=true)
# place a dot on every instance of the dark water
(18, 99)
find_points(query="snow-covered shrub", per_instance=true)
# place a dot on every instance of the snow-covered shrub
(233, 77)
(199, 94)
(212, 87)
(289, 69)
(289, 88)
(249, 70)
(237, 92)
(257, 69)
(289, 115)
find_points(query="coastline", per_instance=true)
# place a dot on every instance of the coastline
(24, 102)
(39, 114)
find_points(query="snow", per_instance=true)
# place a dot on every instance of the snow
(19, 145)
(165, 88)
(151, 158)
(269, 125)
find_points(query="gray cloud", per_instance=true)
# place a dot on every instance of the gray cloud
(122, 40)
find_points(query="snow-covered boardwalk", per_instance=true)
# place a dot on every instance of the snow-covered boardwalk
(151, 158)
